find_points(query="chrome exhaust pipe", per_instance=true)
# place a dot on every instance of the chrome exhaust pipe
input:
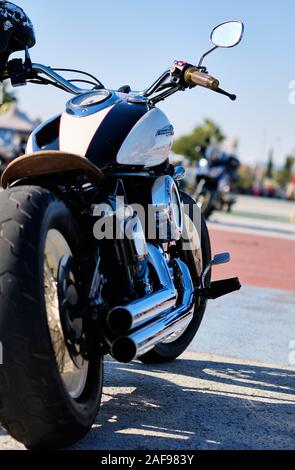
(126, 348)
(120, 320)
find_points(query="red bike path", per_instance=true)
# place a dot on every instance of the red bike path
(258, 260)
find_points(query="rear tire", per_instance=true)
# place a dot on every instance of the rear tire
(36, 408)
(167, 352)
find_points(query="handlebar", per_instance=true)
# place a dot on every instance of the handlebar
(190, 75)
(19, 75)
(68, 86)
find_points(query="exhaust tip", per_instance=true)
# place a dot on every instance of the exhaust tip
(124, 350)
(119, 320)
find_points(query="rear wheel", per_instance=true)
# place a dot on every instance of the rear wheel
(196, 259)
(49, 394)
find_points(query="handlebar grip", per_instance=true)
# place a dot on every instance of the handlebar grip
(194, 77)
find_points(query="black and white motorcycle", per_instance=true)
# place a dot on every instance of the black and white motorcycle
(100, 252)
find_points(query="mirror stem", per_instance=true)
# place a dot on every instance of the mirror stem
(205, 55)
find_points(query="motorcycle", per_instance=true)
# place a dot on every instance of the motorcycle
(9, 151)
(216, 180)
(82, 273)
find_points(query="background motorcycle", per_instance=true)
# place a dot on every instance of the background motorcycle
(67, 298)
(216, 179)
(10, 152)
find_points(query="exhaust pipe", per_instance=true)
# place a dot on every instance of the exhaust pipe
(120, 320)
(126, 348)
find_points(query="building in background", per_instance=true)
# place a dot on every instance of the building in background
(15, 129)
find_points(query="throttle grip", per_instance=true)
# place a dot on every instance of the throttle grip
(193, 77)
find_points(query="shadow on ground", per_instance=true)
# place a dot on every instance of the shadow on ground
(191, 404)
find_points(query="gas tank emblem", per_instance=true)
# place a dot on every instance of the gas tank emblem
(167, 130)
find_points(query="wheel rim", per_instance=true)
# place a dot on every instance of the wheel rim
(192, 235)
(73, 373)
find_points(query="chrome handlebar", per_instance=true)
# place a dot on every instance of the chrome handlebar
(69, 87)
(151, 89)
(65, 84)
(192, 77)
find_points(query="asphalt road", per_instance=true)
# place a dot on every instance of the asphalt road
(199, 402)
(235, 387)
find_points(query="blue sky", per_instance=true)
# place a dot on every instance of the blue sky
(132, 42)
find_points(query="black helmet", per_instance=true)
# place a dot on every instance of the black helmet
(16, 30)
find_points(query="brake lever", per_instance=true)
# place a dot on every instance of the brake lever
(223, 92)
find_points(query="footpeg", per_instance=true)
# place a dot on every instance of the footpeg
(221, 258)
(220, 288)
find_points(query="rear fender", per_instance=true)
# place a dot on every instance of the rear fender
(48, 163)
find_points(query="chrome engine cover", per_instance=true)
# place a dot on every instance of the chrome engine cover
(168, 209)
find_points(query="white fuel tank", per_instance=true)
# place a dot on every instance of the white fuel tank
(149, 142)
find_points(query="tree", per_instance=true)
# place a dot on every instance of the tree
(8, 99)
(194, 144)
(246, 180)
(270, 166)
(284, 176)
